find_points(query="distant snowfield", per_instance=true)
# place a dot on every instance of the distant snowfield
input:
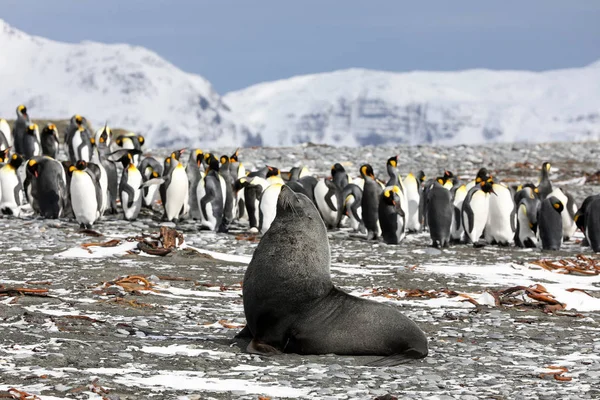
(134, 88)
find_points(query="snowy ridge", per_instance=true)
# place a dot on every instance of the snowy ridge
(363, 107)
(128, 86)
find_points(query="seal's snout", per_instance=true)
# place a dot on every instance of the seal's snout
(286, 197)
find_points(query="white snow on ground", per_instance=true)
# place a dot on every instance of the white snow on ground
(182, 350)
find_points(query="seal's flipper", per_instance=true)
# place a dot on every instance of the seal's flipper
(256, 347)
(244, 334)
(400, 358)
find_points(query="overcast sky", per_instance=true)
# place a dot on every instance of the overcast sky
(238, 43)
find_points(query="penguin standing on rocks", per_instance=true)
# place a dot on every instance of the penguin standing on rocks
(49, 140)
(544, 187)
(238, 171)
(150, 169)
(339, 176)
(6, 139)
(230, 210)
(550, 223)
(568, 213)
(30, 142)
(588, 220)
(194, 174)
(268, 206)
(475, 211)
(11, 188)
(352, 207)
(129, 188)
(47, 185)
(100, 155)
(412, 186)
(210, 196)
(458, 197)
(253, 188)
(328, 197)
(439, 212)
(77, 138)
(20, 128)
(176, 191)
(526, 233)
(501, 223)
(391, 216)
(85, 194)
(372, 191)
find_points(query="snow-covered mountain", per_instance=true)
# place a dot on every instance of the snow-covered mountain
(128, 86)
(362, 107)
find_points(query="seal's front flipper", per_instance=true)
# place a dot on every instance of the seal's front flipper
(397, 359)
(256, 347)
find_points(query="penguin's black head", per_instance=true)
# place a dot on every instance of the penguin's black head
(392, 161)
(22, 110)
(214, 165)
(224, 159)
(4, 155)
(33, 167)
(177, 154)
(337, 168)
(119, 141)
(31, 129)
(367, 171)
(546, 166)
(81, 165)
(488, 187)
(78, 119)
(16, 160)
(240, 184)
(557, 204)
(421, 176)
(391, 196)
(141, 140)
(482, 175)
(234, 156)
(199, 157)
(272, 171)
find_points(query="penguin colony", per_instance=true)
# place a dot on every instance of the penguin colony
(218, 190)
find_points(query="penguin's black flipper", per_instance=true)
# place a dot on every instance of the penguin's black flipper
(130, 194)
(570, 204)
(205, 200)
(470, 217)
(328, 196)
(117, 155)
(153, 181)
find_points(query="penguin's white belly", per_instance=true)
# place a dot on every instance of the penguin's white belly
(400, 231)
(5, 128)
(103, 188)
(83, 198)
(268, 206)
(223, 190)
(76, 142)
(8, 181)
(480, 206)
(209, 222)
(354, 223)
(329, 215)
(499, 226)
(150, 194)
(37, 150)
(413, 198)
(569, 226)
(456, 229)
(177, 193)
(525, 231)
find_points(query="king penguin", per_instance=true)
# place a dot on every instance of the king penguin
(77, 138)
(339, 176)
(30, 142)
(11, 196)
(194, 175)
(501, 223)
(210, 195)
(458, 197)
(475, 211)
(6, 139)
(439, 212)
(568, 213)
(253, 188)
(129, 188)
(48, 186)
(49, 140)
(150, 169)
(391, 216)
(85, 194)
(588, 220)
(372, 191)
(526, 234)
(550, 223)
(544, 187)
(100, 155)
(352, 207)
(19, 128)
(413, 188)
(328, 197)
(176, 192)
(268, 206)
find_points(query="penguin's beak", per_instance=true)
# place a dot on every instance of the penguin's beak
(492, 191)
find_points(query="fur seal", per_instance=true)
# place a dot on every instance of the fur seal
(292, 306)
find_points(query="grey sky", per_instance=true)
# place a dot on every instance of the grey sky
(238, 43)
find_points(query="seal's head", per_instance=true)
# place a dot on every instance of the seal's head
(296, 205)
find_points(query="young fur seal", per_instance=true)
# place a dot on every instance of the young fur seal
(292, 306)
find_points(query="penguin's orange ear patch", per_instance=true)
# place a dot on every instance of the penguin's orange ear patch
(440, 181)
(31, 163)
(557, 205)
(537, 190)
(576, 217)
(14, 156)
(386, 193)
